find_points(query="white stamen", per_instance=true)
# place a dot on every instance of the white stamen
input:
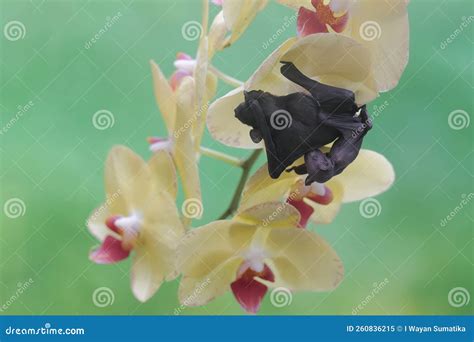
(130, 224)
(185, 64)
(340, 6)
(254, 258)
(318, 188)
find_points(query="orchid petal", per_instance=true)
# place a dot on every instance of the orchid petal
(261, 188)
(369, 175)
(127, 178)
(184, 153)
(302, 260)
(271, 214)
(335, 60)
(239, 14)
(164, 96)
(217, 34)
(163, 169)
(96, 222)
(151, 264)
(384, 30)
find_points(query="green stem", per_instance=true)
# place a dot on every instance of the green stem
(221, 156)
(246, 166)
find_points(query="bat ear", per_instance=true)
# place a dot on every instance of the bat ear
(246, 94)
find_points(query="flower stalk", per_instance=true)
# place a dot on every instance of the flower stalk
(224, 77)
(246, 166)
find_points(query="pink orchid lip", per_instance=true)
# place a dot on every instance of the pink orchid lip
(310, 22)
(248, 291)
(109, 252)
(158, 143)
(110, 223)
(305, 209)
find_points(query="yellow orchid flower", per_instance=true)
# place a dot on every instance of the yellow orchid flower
(179, 113)
(381, 26)
(328, 57)
(256, 250)
(237, 15)
(369, 175)
(139, 217)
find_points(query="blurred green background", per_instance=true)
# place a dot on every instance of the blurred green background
(52, 158)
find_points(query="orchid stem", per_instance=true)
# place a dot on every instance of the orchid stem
(246, 166)
(224, 77)
(221, 156)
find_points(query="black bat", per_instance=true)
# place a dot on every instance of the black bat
(299, 124)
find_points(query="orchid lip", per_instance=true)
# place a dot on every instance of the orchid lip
(159, 144)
